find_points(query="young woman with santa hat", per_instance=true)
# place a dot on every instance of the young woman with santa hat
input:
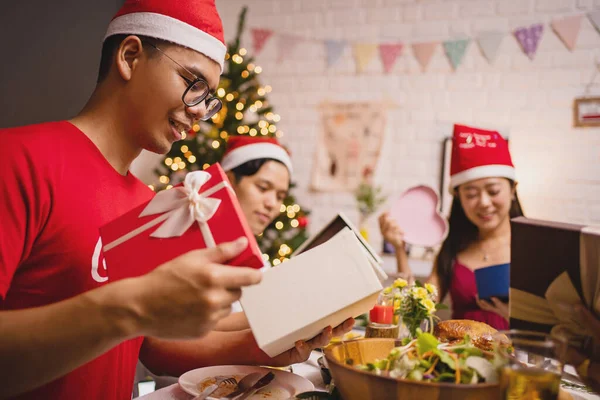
(260, 171)
(483, 183)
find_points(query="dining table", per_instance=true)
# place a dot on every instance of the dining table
(310, 370)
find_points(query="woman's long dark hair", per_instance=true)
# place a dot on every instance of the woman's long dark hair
(461, 234)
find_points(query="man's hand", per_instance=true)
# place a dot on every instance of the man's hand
(302, 351)
(235, 322)
(174, 357)
(185, 297)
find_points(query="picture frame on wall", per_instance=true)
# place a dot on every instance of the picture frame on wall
(586, 112)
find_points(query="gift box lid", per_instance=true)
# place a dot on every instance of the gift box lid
(542, 250)
(332, 228)
(320, 287)
(416, 211)
(554, 266)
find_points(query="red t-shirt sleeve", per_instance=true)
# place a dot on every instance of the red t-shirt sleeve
(22, 196)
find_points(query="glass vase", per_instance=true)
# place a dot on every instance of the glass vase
(408, 328)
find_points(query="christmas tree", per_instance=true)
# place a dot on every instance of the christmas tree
(246, 111)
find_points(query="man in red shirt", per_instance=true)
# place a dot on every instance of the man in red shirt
(66, 331)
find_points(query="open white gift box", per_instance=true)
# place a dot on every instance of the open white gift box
(320, 287)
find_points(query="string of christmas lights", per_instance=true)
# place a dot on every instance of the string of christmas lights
(245, 111)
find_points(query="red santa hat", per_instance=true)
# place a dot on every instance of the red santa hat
(478, 153)
(241, 149)
(191, 23)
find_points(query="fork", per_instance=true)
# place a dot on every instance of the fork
(221, 381)
(244, 384)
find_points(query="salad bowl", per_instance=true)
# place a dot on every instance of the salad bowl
(357, 384)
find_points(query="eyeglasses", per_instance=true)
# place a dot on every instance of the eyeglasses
(197, 91)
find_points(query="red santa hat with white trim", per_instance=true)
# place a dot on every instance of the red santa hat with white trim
(241, 149)
(190, 23)
(478, 153)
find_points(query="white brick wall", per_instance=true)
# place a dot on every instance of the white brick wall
(558, 166)
(471, 9)
(513, 7)
(554, 5)
(585, 4)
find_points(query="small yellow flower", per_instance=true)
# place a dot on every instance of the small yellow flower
(420, 293)
(400, 283)
(387, 290)
(430, 288)
(429, 305)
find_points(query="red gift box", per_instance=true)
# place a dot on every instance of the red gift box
(201, 212)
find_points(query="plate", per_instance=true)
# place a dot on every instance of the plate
(284, 385)
(416, 211)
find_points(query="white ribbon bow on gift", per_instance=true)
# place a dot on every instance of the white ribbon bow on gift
(180, 207)
(185, 204)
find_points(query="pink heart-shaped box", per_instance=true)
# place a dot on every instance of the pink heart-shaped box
(417, 213)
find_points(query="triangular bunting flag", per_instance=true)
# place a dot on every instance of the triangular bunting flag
(567, 29)
(595, 19)
(423, 52)
(259, 38)
(285, 45)
(389, 53)
(334, 49)
(363, 54)
(489, 43)
(528, 38)
(455, 51)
